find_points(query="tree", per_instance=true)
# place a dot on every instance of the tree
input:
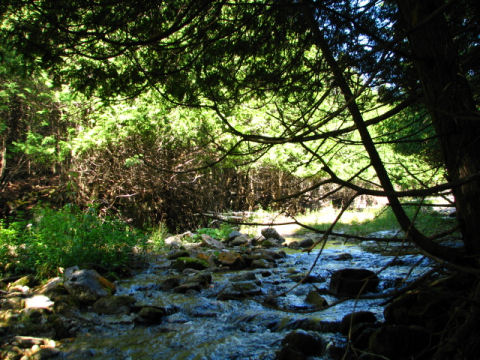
(316, 69)
(219, 54)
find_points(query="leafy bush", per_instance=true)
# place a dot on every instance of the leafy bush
(67, 237)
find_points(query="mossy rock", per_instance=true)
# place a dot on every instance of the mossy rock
(183, 263)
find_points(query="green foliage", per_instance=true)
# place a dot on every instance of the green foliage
(157, 237)
(67, 237)
(220, 233)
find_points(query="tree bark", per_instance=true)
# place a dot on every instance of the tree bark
(450, 102)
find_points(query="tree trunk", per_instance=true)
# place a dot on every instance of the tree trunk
(452, 108)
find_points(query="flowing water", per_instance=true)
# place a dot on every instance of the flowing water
(201, 326)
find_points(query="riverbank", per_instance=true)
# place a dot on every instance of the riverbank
(242, 298)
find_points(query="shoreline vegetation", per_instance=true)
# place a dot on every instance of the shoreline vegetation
(49, 240)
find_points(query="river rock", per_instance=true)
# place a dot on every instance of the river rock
(177, 241)
(45, 353)
(239, 290)
(305, 243)
(261, 264)
(343, 257)
(175, 254)
(183, 263)
(209, 241)
(233, 260)
(271, 233)
(314, 298)
(352, 320)
(241, 240)
(187, 288)
(246, 276)
(170, 283)
(38, 302)
(52, 288)
(111, 305)
(398, 342)
(151, 315)
(233, 235)
(309, 279)
(353, 282)
(12, 302)
(87, 285)
(300, 344)
(194, 283)
(24, 282)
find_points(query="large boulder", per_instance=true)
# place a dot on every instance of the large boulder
(400, 342)
(87, 286)
(271, 233)
(353, 282)
(300, 344)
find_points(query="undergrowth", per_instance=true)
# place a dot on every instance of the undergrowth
(54, 239)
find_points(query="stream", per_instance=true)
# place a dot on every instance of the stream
(211, 324)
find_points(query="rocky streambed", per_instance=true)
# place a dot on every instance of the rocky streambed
(241, 299)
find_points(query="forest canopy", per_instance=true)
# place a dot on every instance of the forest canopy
(380, 97)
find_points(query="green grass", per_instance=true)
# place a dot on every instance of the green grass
(371, 220)
(55, 239)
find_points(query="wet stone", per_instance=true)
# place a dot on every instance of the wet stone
(151, 315)
(183, 263)
(314, 298)
(352, 282)
(353, 319)
(309, 279)
(300, 343)
(305, 243)
(114, 305)
(239, 290)
(343, 257)
(45, 353)
(188, 287)
(399, 341)
(261, 264)
(175, 254)
(270, 243)
(170, 283)
(232, 259)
